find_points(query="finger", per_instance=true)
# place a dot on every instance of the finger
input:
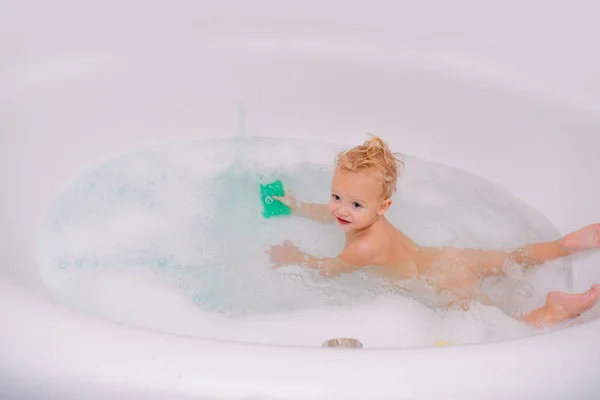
(285, 201)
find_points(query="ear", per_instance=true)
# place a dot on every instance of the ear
(384, 206)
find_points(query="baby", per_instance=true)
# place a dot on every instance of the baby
(363, 184)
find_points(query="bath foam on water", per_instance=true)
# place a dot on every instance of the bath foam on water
(140, 298)
(187, 218)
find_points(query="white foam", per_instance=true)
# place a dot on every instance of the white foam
(140, 298)
(172, 239)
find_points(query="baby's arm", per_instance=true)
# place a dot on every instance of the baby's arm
(316, 212)
(350, 259)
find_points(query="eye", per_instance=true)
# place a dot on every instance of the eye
(335, 197)
(356, 205)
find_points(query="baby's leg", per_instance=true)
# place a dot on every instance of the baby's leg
(561, 307)
(492, 262)
(586, 238)
(485, 263)
(488, 263)
(464, 302)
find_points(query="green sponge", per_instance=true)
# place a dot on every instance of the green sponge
(272, 207)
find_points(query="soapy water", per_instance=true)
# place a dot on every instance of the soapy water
(172, 238)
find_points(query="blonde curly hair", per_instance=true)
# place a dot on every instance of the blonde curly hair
(373, 155)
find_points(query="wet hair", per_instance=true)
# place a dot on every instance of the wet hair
(374, 155)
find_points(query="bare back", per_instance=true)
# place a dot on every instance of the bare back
(395, 255)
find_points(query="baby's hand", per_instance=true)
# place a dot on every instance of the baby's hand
(285, 254)
(289, 199)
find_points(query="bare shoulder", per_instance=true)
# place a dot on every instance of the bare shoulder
(361, 252)
(402, 241)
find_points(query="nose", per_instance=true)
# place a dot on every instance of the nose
(343, 210)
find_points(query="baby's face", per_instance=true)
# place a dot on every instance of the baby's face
(355, 200)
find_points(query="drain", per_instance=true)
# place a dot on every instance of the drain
(343, 342)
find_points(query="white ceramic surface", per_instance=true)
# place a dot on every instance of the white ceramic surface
(508, 90)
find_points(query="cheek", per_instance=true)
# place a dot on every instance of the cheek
(364, 214)
(331, 206)
(359, 213)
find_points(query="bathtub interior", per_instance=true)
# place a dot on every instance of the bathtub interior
(92, 107)
(74, 106)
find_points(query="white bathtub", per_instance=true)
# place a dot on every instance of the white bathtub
(508, 91)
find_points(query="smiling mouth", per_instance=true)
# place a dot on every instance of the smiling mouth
(342, 221)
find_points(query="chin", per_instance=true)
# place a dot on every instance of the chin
(344, 227)
(349, 227)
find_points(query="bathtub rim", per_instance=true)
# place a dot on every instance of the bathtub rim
(107, 343)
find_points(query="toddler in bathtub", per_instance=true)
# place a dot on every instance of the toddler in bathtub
(363, 184)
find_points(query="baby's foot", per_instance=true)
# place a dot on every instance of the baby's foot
(583, 239)
(566, 306)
